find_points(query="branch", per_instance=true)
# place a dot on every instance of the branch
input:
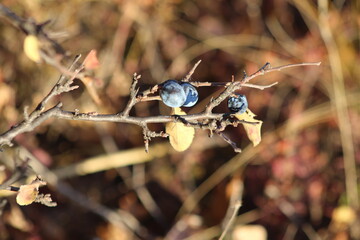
(205, 120)
(236, 207)
(188, 76)
(30, 27)
(229, 141)
(61, 86)
(268, 69)
(261, 87)
(148, 134)
(22, 169)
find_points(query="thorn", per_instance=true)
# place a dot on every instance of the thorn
(26, 113)
(41, 25)
(266, 66)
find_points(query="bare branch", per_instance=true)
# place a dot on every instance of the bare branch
(233, 86)
(236, 206)
(21, 170)
(268, 69)
(228, 140)
(261, 87)
(133, 93)
(204, 120)
(148, 99)
(30, 27)
(262, 71)
(188, 76)
(144, 96)
(60, 87)
(148, 134)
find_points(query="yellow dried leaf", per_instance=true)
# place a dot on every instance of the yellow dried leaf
(253, 131)
(27, 194)
(32, 48)
(180, 135)
(344, 214)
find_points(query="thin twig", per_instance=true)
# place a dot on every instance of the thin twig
(228, 140)
(133, 93)
(30, 27)
(237, 206)
(188, 76)
(261, 87)
(57, 90)
(21, 170)
(219, 99)
(148, 99)
(268, 69)
(72, 67)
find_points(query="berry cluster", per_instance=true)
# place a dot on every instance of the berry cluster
(178, 94)
(237, 103)
(175, 93)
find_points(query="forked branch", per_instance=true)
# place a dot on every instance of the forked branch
(215, 122)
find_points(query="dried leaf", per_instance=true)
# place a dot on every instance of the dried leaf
(91, 61)
(27, 194)
(253, 131)
(32, 48)
(181, 136)
(46, 200)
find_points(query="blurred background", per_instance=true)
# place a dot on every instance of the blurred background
(301, 181)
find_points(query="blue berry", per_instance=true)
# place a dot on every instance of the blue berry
(191, 93)
(238, 104)
(172, 93)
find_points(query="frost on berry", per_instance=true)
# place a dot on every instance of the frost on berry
(238, 103)
(191, 93)
(172, 93)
